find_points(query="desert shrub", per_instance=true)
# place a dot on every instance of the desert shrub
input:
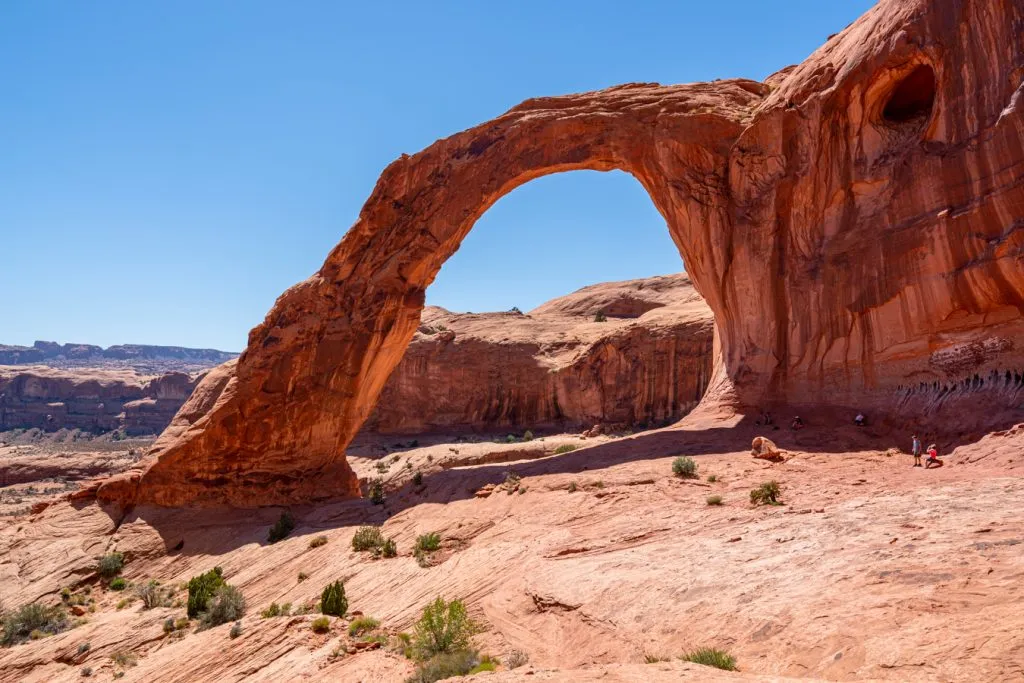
(333, 600)
(303, 576)
(654, 659)
(714, 500)
(282, 527)
(443, 627)
(527, 435)
(181, 623)
(684, 467)
(389, 549)
(169, 626)
(712, 478)
(417, 479)
(33, 618)
(377, 492)
(124, 658)
(516, 659)
(201, 589)
(227, 604)
(86, 671)
(83, 647)
(321, 625)
(428, 542)
(110, 565)
(565, 448)
(118, 584)
(276, 610)
(487, 663)
(600, 317)
(318, 542)
(367, 538)
(766, 494)
(512, 480)
(362, 625)
(236, 630)
(152, 594)
(709, 656)
(572, 487)
(445, 665)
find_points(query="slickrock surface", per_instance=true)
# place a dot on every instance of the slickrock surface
(555, 367)
(872, 570)
(90, 399)
(854, 224)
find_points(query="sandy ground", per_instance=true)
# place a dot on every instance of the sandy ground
(592, 562)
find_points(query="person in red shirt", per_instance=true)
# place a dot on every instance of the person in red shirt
(933, 457)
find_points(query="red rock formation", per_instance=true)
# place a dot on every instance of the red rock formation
(855, 224)
(90, 399)
(555, 367)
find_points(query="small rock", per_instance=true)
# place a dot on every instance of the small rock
(485, 491)
(735, 538)
(78, 610)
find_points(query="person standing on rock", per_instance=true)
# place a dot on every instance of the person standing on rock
(915, 448)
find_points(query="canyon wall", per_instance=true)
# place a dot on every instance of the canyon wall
(90, 399)
(555, 367)
(853, 223)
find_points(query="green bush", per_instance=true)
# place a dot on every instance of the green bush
(389, 549)
(318, 542)
(565, 448)
(110, 565)
(446, 665)
(282, 527)
(600, 317)
(712, 479)
(201, 589)
(684, 467)
(227, 604)
(118, 584)
(527, 435)
(169, 626)
(236, 630)
(572, 487)
(766, 494)
(321, 625)
(443, 627)
(709, 656)
(333, 600)
(516, 659)
(124, 658)
(33, 618)
(276, 610)
(367, 538)
(417, 479)
(362, 625)
(377, 492)
(714, 500)
(86, 671)
(428, 543)
(486, 664)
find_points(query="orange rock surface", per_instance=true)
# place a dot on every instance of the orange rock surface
(554, 367)
(854, 223)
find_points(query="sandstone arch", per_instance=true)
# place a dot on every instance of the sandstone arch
(843, 257)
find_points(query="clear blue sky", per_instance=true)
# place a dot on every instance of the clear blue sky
(168, 168)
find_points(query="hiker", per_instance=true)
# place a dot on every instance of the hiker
(797, 423)
(933, 457)
(859, 420)
(915, 448)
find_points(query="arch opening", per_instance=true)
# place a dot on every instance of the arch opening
(913, 98)
(572, 262)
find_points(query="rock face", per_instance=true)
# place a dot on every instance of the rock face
(856, 225)
(139, 356)
(649, 362)
(91, 400)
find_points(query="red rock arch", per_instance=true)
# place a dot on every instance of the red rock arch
(849, 262)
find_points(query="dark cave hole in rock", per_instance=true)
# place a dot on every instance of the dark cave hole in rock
(913, 98)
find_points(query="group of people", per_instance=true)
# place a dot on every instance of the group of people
(933, 454)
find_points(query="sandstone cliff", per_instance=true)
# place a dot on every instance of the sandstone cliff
(555, 367)
(90, 399)
(141, 357)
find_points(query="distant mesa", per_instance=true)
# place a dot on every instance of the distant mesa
(140, 356)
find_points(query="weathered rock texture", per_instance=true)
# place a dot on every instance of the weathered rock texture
(855, 224)
(555, 367)
(92, 400)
